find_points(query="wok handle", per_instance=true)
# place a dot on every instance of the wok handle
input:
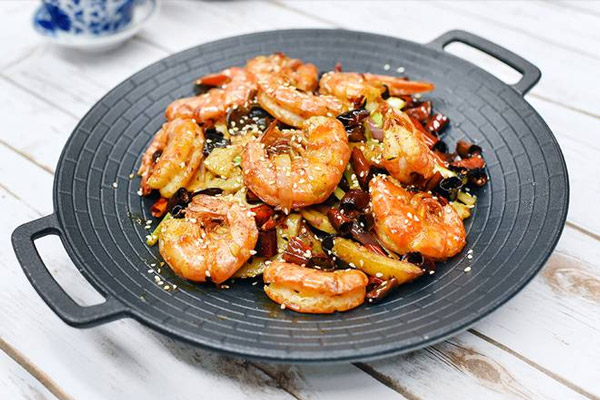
(57, 299)
(531, 73)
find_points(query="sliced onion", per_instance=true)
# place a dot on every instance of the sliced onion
(376, 131)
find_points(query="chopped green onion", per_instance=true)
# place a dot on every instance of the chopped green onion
(445, 172)
(378, 119)
(338, 193)
(237, 160)
(153, 237)
(351, 177)
(467, 198)
(462, 210)
(396, 102)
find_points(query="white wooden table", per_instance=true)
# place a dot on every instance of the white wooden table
(545, 343)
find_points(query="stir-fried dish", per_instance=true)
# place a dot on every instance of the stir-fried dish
(335, 188)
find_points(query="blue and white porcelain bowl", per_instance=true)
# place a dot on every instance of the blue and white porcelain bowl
(86, 17)
(92, 25)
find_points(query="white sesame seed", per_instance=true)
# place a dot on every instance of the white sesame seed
(131, 176)
(283, 306)
(468, 269)
(386, 67)
(400, 70)
(114, 184)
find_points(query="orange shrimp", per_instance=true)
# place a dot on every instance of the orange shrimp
(285, 102)
(355, 87)
(415, 222)
(350, 86)
(306, 171)
(399, 86)
(213, 241)
(406, 155)
(303, 76)
(172, 158)
(308, 290)
(236, 87)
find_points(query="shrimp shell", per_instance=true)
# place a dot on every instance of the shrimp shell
(181, 142)
(213, 241)
(405, 153)
(291, 182)
(284, 101)
(238, 86)
(415, 222)
(312, 291)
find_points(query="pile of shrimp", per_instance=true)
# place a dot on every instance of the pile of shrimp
(334, 188)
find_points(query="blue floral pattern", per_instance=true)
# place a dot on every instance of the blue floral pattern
(92, 17)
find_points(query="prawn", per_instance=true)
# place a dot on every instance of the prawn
(406, 155)
(415, 222)
(350, 86)
(172, 158)
(291, 169)
(280, 98)
(354, 86)
(312, 291)
(235, 87)
(214, 239)
(303, 76)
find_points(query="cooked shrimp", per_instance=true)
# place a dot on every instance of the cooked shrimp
(405, 152)
(311, 291)
(303, 76)
(296, 168)
(415, 222)
(284, 101)
(214, 240)
(172, 158)
(236, 87)
(354, 86)
(399, 86)
(350, 86)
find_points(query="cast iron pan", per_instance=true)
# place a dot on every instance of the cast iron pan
(517, 222)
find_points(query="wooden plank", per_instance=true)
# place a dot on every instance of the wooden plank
(555, 322)
(194, 22)
(478, 371)
(583, 6)
(538, 20)
(408, 19)
(75, 80)
(15, 17)
(17, 383)
(32, 126)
